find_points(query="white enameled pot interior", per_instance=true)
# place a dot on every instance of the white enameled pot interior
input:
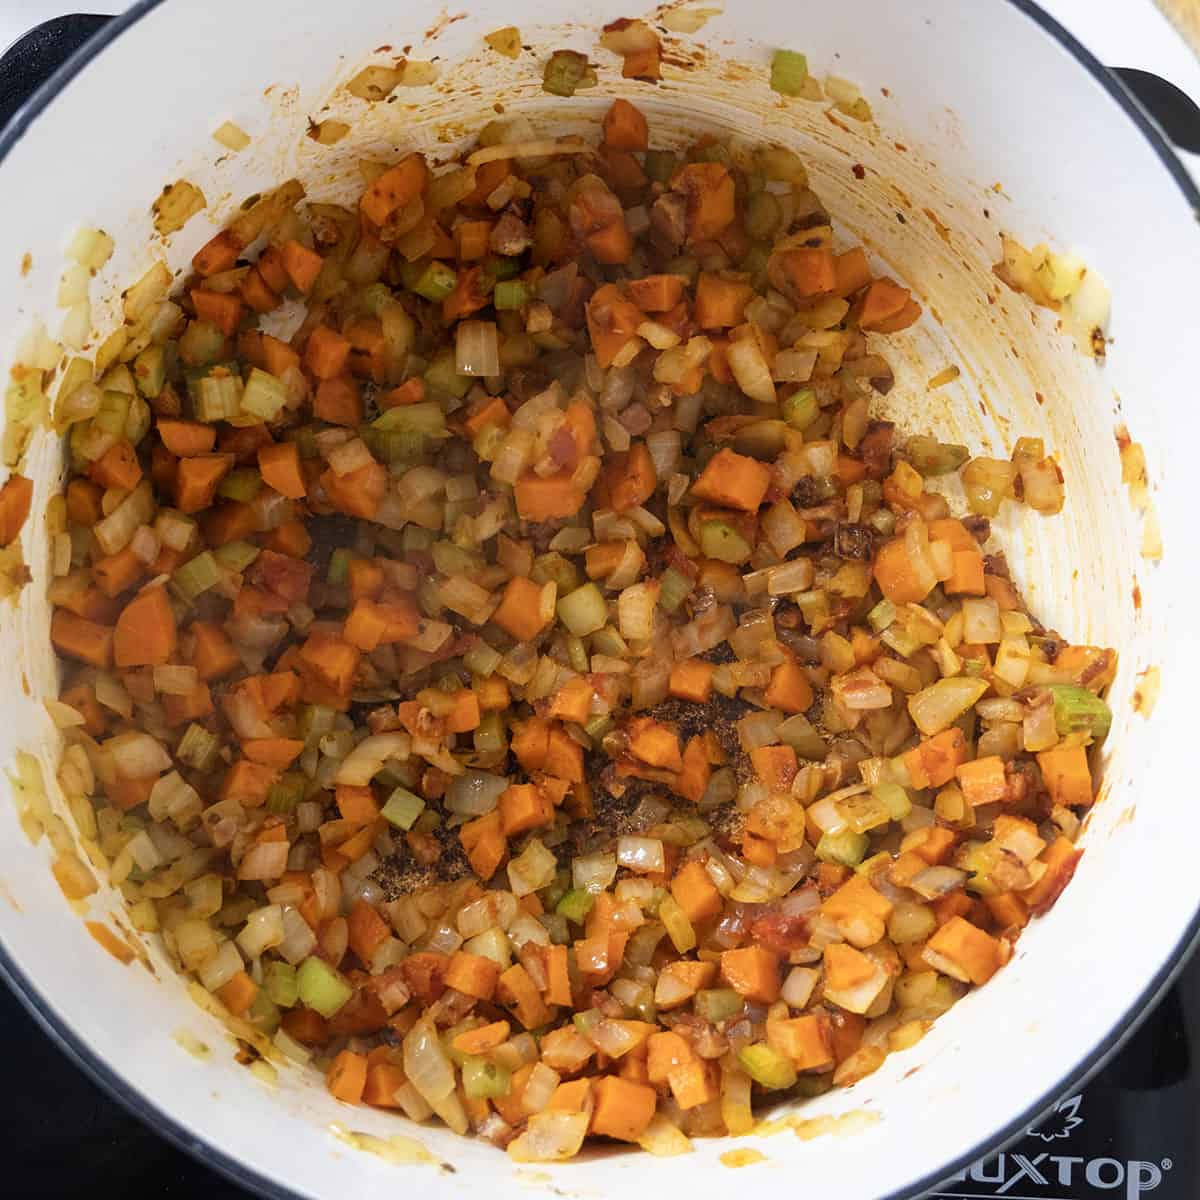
(984, 124)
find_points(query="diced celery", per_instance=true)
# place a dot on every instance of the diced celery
(442, 375)
(425, 418)
(339, 566)
(931, 457)
(403, 808)
(1076, 710)
(196, 576)
(575, 905)
(894, 798)
(321, 988)
(587, 1020)
(264, 1013)
(242, 484)
(799, 733)
(584, 610)
(845, 848)
(490, 735)
(675, 588)
(577, 654)
(201, 343)
(501, 267)
(510, 294)
(660, 165)
(719, 540)
(565, 71)
(789, 70)
(150, 370)
(598, 726)
(553, 566)
(236, 556)
(483, 1080)
(286, 792)
(718, 1004)
(316, 720)
(800, 409)
(217, 397)
(767, 1067)
(609, 641)
(436, 281)
(264, 395)
(198, 748)
(279, 978)
(881, 616)
(114, 413)
(679, 927)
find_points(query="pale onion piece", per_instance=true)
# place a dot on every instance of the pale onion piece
(91, 248)
(63, 715)
(431, 636)
(799, 985)
(351, 455)
(365, 761)
(794, 576)
(687, 18)
(642, 854)
(636, 608)
(218, 970)
(794, 366)
(859, 998)
(1085, 314)
(663, 1138)
(144, 852)
(173, 680)
(539, 1087)
(660, 337)
(573, 539)
(137, 755)
(594, 872)
(475, 794)
(533, 869)
(196, 943)
(550, 1137)
(632, 37)
(750, 370)
(842, 91)
(538, 148)
(418, 73)
(981, 620)
(176, 205)
(290, 1048)
(298, 938)
(149, 289)
(37, 349)
(938, 706)
(112, 694)
(263, 930)
(73, 285)
(265, 861)
(477, 348)
(231, 136)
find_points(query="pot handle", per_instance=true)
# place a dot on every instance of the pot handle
(1171, 109)
(35, 55)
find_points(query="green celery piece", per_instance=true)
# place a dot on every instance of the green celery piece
(510, 294)
(403, 808)
(279, 978)
(846, 848)
(322, 988)
(789, 70)
(718, 1004)
(286, 792)
(676, 587)
(800, 409)
(575, 905)
(436, 282)
(719, 540)
(767, 1067)
(196, 576)
(1078, 710)
(339, 566)
(483, 1080)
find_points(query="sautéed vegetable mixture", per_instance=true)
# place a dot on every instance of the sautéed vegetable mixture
(529, 685)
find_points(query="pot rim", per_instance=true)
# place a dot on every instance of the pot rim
(152, 1114)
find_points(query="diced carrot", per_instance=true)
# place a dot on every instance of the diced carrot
(472, 974)
(221, 309)
(849, 471)
(517, 991)
(358, 493)
(83, 502)
(573, 1096)
(656, 293)
(695, 892)
(734, 481)
(692, 780)
(547, 498)
(665, 1053)
(301, 264)
(622, 1109)
(195, 705)
(467, 297)
(612, 322)
(367, 931)
(966, 574)
(338, 401)
(976, 954)
(484, 844)
(720, 303)
(530, 743)
(907, 316)
(411, 391)
(464, 716)
(631, 477)
(805, 1040)
(213, 654)
(851, 271)
(280, 467)
(693, 1083)
(1060, 859)
(273, 751)
(118, 467)
(366, 625)
(524, 806)
(558, 978)
(1067, 776)
(776, 766)
(219, 253)
(519, 612)
(277, 356)
(483, 1039)
(367, 348)
(564, 756)
(753, 972)
(238, 994)
(290, 538)
(364, 578)
(471, 239)
(949, 529)
(1008, 910)
(248, 783)
(326, 352)
(642, 64)
(572, 701)
(933, 762)
(186, 439)
(655, 744)
(884, 299)
(333, 661)
(243, 441)
(118, 572)
(347, 1077)
(395, 188)
(257, 293)
(145, 634)
(933, 843)
(129, 793)
(691, 679)
(709, 190)
(270, 267)
(809, 270)
(384, 1080)
(896, 575)
(625, 127)
(357, 804)
(846, 967)
(982, 780)
(789, 689)
(197, 478)
(492, 692)
(82, 698)
(490, 410)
